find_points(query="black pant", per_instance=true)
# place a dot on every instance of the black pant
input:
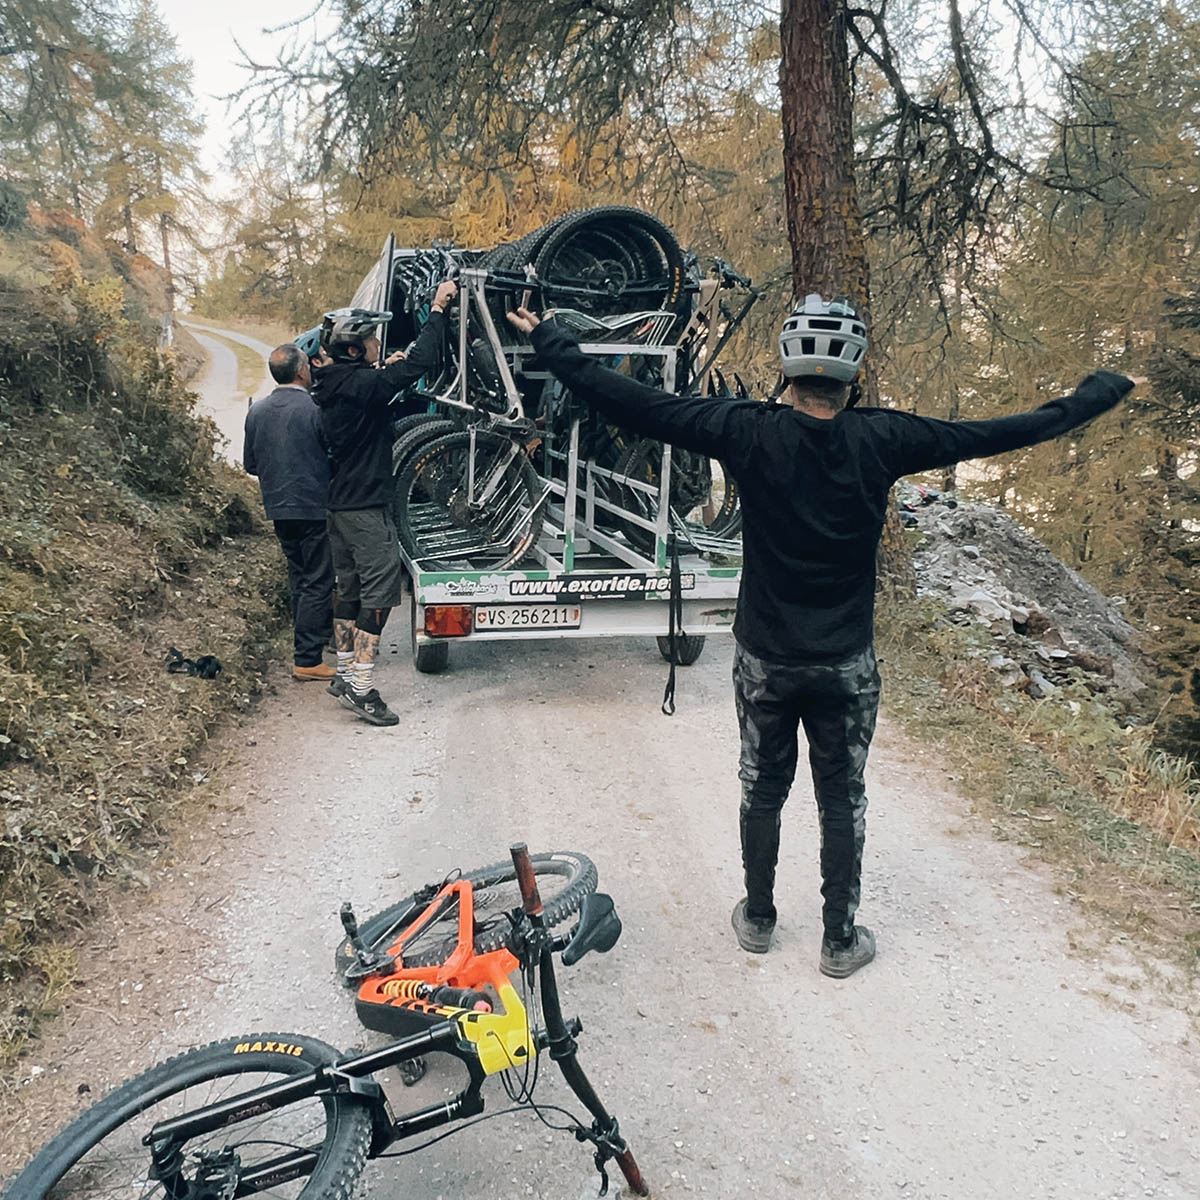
(310, 578)
(836, 703)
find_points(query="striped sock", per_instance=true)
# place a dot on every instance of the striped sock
(364, 673)
(345, 664)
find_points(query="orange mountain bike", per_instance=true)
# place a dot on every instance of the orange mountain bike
(451, 969)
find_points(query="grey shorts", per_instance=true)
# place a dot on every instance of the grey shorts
(366, 558)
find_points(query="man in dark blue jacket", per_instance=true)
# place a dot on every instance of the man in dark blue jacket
(814, 476)
(284, 449)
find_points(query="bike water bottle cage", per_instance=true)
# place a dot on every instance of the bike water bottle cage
(347, 328)
(822, 338)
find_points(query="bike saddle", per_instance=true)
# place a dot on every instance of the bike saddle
(598, 929)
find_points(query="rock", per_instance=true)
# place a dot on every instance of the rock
(1017, 584)
(1040, 688)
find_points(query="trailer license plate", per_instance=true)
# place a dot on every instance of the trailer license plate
(526, 616)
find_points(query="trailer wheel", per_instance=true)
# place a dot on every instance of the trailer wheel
(430, 658)
(688, 648)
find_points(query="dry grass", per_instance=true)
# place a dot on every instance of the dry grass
(97, 741)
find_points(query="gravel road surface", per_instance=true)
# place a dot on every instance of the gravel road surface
(996, 1048)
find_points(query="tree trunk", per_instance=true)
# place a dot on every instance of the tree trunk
(829, 253)
(164, 231)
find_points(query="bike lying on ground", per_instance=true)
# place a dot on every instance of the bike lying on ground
(286, 1115)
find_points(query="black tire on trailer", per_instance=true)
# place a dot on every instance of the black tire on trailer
(633, 242)
(642, 461)
(336, 1123)
(429, 502)
(430, 658)
(417, 434)
(404, 447)
(412, 421)
(688, 648)
(564, 879)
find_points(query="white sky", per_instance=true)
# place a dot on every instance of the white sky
(205, 32)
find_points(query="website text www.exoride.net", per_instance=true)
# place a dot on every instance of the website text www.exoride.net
(601, 585)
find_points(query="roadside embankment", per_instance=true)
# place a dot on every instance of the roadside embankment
(120, 537)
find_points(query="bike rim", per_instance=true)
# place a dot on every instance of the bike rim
(118, 1166)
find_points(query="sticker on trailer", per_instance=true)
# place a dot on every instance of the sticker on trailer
(527, 616)
(608, 586)
(471, 587)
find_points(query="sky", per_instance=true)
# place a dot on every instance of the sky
(205, 31)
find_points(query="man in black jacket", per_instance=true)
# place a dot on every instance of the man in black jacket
(814, 476)
(356, 403)
(284, 449)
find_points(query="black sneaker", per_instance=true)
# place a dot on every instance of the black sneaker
(370, 707)
(339, 685)
(752, 935)
(840, 961)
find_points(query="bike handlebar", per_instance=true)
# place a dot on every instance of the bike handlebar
(532, 901)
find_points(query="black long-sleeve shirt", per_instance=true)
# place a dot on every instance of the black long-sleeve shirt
(355, 400)
(814, 491)
(284, 448)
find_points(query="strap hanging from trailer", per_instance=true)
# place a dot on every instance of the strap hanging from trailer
(674, 624)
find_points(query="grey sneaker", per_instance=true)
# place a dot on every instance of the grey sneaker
(370, 707)
(752, 935)
(839, 961)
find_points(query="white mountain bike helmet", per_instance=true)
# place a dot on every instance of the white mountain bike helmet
(824, 338)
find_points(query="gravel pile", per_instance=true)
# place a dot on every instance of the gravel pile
(1049, 625)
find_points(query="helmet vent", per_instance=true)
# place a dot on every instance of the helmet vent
(808, 345)
(818, 323)
(835, 347)
(858, 354)
(858, 329)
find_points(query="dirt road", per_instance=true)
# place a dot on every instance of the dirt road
(217, 387)
(980, 1056)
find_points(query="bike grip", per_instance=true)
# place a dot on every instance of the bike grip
(633, 1176)
(526, 879)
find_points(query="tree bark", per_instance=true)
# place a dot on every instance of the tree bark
(829, 252)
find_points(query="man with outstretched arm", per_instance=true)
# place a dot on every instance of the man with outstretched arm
(356, 402)
(814, 476)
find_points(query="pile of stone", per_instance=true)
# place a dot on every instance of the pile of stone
(1049, 626)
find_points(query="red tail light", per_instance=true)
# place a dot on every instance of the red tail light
(449, 620)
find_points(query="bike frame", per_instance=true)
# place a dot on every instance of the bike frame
(485, 1042)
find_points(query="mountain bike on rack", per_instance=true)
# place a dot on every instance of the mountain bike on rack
(286, 1115)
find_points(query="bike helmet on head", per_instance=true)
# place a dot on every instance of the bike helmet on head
(309, 341)
(823, 338)
(345, 328)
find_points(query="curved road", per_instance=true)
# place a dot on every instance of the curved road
(999, 1046)
(217, 387)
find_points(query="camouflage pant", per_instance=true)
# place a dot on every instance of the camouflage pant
(836, 703)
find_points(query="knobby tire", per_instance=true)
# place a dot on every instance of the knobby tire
(100, 1154)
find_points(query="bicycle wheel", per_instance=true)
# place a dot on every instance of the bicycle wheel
(624, 259)
(467, 497)
(101, 1154)
(703, 496)
(563, 878)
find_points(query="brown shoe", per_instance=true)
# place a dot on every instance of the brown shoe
(320, 671)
